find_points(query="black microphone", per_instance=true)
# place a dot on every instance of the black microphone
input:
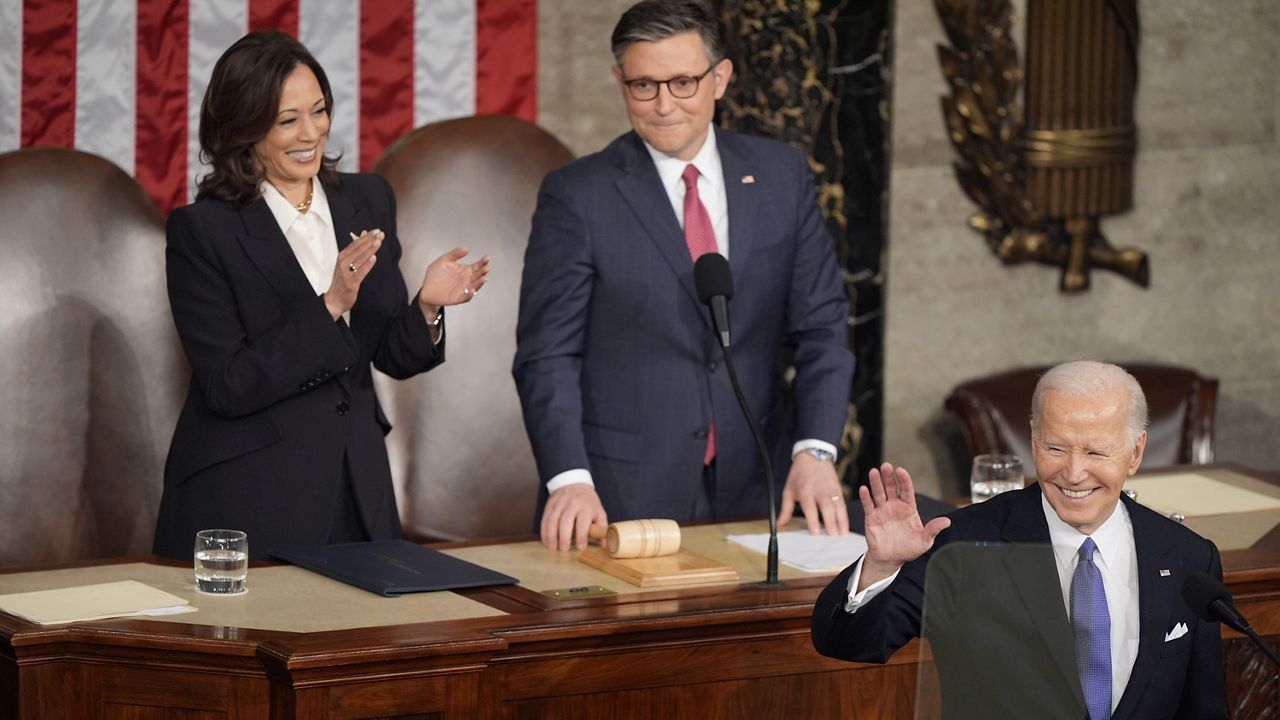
(1209, 599)
(714, 281)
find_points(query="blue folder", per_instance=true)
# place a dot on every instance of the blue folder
(392, 567)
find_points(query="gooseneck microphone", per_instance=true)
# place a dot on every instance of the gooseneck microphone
(714, 282)
(1209, 599)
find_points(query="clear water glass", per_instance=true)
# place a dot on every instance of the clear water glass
(994, 474)
(221, 561)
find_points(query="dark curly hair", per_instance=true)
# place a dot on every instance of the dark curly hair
(240, 107)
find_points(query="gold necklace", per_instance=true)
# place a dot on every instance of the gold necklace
(306, 204)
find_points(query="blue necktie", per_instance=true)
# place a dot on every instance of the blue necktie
(1092, 626)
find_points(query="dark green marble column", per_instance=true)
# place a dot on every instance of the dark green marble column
(815, 74)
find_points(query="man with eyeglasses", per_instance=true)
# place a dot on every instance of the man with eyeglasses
(626, 399)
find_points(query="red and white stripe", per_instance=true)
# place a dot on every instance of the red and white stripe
(124, 78)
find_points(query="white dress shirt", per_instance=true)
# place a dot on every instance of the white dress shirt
(710, 186)
(711, 192)
(1116, 558)
(311, 235)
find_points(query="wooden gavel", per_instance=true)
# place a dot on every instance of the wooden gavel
(638, 538)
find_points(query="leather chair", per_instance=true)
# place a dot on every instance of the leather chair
(459, 451)
(93, 372)
(994, 414)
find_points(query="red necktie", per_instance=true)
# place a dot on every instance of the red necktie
(701, 240)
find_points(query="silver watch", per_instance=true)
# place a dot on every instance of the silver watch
(820, 454)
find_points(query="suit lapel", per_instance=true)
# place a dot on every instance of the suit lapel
(1155, 603)
(743, 199)
(349, 219)
(1026, 525)
(642, 189)
(268, 249)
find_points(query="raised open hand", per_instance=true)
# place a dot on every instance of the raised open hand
(895, 533)
(450, 282)
(353, 266)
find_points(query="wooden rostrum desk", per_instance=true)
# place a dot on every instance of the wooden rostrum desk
(301, 646)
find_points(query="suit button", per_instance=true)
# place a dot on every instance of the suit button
(701, 434)
(343, 408)
(711, 366)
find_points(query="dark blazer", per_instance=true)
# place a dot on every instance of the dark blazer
(280, 393)
(616, 363)
(1181, 678)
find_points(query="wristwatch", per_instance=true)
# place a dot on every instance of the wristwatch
(820, 454)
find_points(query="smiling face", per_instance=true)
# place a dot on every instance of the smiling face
(675, 126)
(291, 152)
(1083, 454)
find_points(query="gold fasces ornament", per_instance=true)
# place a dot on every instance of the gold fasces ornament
(1043, 174)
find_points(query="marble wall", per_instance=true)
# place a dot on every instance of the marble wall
(1207, 210)
(578, 99)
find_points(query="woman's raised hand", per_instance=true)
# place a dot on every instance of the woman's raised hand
(353, 266)
(450, 282)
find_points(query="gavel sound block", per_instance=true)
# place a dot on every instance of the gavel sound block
(647, 553)
(639, 538)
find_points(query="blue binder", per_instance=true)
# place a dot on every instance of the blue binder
(392, 567)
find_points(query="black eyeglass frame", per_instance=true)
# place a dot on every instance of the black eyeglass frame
(657, 85)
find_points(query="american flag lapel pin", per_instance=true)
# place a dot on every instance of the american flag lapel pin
(1164, 573)
(748, 179)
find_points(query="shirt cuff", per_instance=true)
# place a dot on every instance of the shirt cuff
(858, 599)
(576, 476)
(803, 445)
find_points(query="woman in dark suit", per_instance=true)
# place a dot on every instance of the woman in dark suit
(284, 285)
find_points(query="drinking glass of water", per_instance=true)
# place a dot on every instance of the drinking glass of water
(222, 561)
(994, 474)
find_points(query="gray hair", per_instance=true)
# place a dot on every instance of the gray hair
(1089, 377)
(653, 20)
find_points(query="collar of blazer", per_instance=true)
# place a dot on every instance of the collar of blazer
(1155, 547)
(267, 247)
(269, 250)
(641, 188)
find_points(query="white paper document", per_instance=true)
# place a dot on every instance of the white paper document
(93, 602)
(810, 553)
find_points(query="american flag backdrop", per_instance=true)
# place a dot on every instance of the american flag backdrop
(123, 79)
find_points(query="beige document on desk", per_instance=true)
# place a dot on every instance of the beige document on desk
(93, 602)
(1196, 495)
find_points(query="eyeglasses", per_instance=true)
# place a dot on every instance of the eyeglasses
(681, 86)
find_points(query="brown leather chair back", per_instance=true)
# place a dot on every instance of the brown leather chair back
(459, 450)
(994, 414)
(92, 371)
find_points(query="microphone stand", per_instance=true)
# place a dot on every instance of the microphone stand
(1242, 625)
(1262, 644)
(771, 568)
